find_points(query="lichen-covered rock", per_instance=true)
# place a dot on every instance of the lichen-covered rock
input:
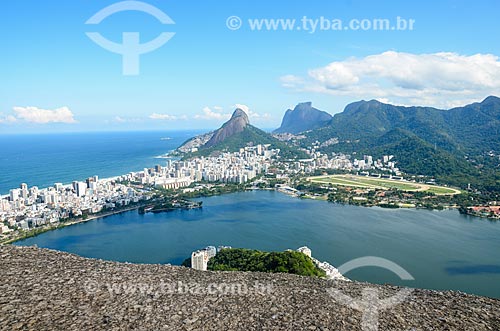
(47, 290)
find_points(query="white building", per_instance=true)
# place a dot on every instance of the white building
(211, 251)
(305, 250)
(14, 194)
(4, 229)
(81, 188)
(24, 190)
(199, 260)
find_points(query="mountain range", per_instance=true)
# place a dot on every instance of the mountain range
(469, 129)
(457, 146)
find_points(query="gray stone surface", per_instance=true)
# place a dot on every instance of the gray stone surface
(47, 290)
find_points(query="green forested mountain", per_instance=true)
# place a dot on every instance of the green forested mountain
(452, 145)
(470, 129)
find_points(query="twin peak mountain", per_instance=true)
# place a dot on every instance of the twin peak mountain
(238, 132)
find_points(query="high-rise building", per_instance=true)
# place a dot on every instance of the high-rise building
(81, 189)
(34, 192)
(93, 186)
(52, 198)
(24, 191)
(211, 251)
(14, 194)
(199, 260)
(88, 181)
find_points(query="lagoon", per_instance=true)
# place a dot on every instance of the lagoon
(440, 249)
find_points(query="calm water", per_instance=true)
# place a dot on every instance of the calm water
(44, 159)
(442, 250)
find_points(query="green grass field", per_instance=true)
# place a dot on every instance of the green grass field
(387, 183)
(343, 182)
(381, 183)
(439, 190)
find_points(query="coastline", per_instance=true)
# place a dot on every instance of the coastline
(135, 187)
(93, 217)
(349, 203)
(160, 232)
(70, 223)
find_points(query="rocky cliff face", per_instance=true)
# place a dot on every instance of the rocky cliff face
(302, 118)
(47, 290)
(237, 123)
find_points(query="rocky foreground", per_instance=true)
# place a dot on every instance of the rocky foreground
(47, 290)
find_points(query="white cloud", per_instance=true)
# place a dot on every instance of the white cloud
(44, 116)
(291, 81)
(156, 116)
(7, 119)
(251, 114)
(120, 119)
(439, 79)
(214, 113)
(218, 113)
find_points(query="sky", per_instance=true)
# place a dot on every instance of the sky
(55, 78)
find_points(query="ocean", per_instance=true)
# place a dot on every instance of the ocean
(44, 159)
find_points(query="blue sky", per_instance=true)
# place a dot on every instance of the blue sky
(56, 79)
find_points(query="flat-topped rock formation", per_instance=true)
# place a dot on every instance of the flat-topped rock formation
(47, 290)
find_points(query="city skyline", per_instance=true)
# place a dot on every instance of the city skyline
(59, 80)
